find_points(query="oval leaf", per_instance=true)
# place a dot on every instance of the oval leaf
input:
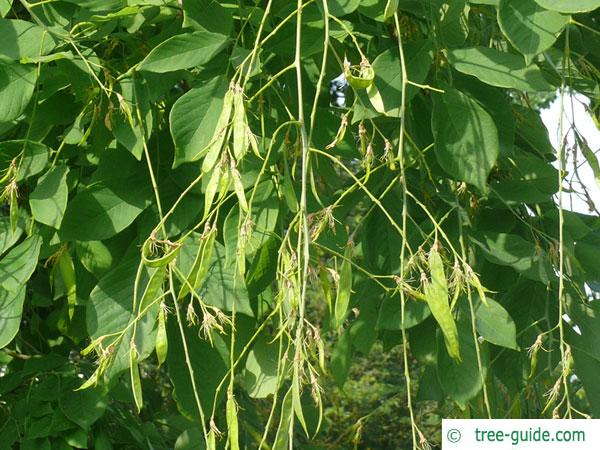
(498, 69)
(466, 138)
(184, 51)
(529, 27)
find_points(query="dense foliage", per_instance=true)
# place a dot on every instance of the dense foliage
(199, 250)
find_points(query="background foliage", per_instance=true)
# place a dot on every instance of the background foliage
(199, 251)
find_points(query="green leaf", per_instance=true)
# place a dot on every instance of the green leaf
(342, 7)
(363, 331)
(264, 215)
(570, 6)
(102, 210)
(19, 263)
(109, 310)
(496, 103)
(136, 104)
(498, 69)
(190, 439)
(98, 213)
(194, 117)
(207, 364)
(11, 309)
(109, 307)
(260, 378)
(17, 83)
(529, 27)
(533, 132)
(495, 324)
(183, 52)
(8, 237)
(452, 17)
(263, 269)
(83, 407)
(23, 39)
(390, 317)
(587, 369)
(466, 138)
(207, 15)
(514, 251)
(99, 5)
(16, 268)
(222, 286)
(586, 316)
(390, 8)
(5, 7)
(422, 345)
(49, 199)
(586, 252)
(461, 381)
(95, 256)
(32, 157)
(383, 254)
(388, 78)
(531, 180)
(341, 358)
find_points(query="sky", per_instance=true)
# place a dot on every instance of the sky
(575, 114)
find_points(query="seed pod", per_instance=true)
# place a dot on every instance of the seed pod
(14, 210)
(211, 159)
(162, 343)
(344, 287)
(340, 132)
(253, 143)
(368, 161)
(211, 443)
(150, 247)
(91, 381)
(67, 273)
(288, 190)
(240, 125)
(238, 186)
(232, 422)
(153, 288)
(201, 261)
(211, 189)
(359, 76)
(389, 155)
(321, 352)
(474, 281)
(296, 396)
(326, 285)
(244, 236)
(363, 139)
(213, 149)
(282, 437)
(224, 182)
(436, 295)
(136, 384)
